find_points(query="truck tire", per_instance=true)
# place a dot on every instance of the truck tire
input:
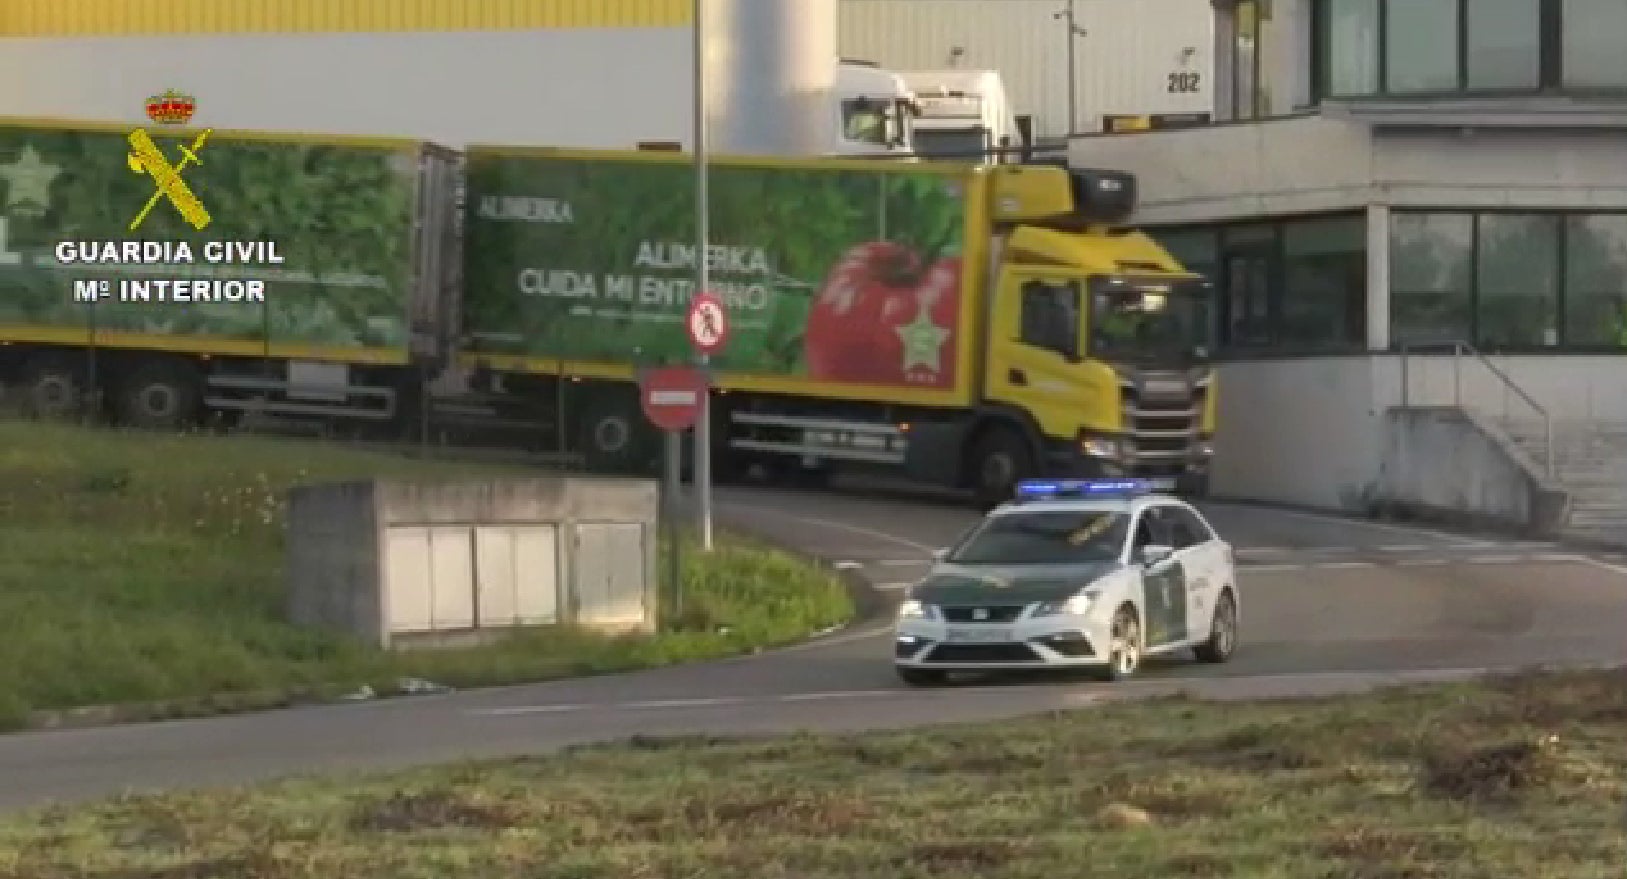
(161, 396)
(1000, 459)
(613, 438)
(53, 389)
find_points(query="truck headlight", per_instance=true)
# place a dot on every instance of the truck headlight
(1099, 447)
(911, 609)
(1076, 605)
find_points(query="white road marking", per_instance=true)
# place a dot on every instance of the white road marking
(1419, 563)
(1329, 519)
(529, 709)
(848, 566)
(893, 587)
(677, 703)
(837, 694)
(1603, 566)
(837, 526)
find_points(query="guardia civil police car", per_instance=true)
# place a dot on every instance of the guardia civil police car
(1087, 574)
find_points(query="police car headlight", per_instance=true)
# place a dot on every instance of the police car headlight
(915, 610)
(1076, 606)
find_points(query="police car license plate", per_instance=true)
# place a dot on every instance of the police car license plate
(1163, 483)
(978, 634)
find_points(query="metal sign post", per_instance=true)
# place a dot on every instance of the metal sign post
(671, 514)
(703, 279)
(672, 398)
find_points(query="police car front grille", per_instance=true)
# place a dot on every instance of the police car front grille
(991, 613)
(948, 653)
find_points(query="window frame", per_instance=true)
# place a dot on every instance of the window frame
(1562, 226)
(1550, 59)
(1212, 239)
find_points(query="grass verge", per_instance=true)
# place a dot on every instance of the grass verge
(1519, 778)
(142, 568)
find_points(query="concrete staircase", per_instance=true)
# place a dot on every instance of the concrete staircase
(1590, 461)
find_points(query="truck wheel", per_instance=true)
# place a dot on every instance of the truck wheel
(53, 389)
(163, 396)
(1000, 459)
(613, 438)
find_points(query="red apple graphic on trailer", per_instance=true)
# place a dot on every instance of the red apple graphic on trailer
(885, 317)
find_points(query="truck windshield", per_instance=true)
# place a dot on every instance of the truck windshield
(1137, 320)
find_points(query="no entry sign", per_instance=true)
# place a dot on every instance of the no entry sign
(708, 323)
(672, 396)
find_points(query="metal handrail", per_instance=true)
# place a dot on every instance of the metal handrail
(1460, 348)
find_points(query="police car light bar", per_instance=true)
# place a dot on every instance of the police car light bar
(1043, 489)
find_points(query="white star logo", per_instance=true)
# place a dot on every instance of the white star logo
(923, 341)
(28, 183)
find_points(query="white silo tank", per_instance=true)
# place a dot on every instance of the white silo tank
(771, 68)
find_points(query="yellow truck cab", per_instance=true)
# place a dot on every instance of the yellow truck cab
(1098, 340)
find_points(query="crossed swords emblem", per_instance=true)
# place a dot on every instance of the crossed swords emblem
(146, 158)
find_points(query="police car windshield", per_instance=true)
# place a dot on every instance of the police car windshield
(1049, 537)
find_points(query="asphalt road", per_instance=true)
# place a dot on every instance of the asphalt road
(1329, 605)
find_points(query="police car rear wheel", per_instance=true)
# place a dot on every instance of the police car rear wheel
(921, 677)
(1222, 632)
(1124, 650)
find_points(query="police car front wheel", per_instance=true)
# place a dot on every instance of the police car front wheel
(1124, 648)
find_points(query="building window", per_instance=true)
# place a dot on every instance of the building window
(1517, 280)
(1421, 46)
(1414, 48)
(1595, 270)
(1431, 277)
(1591, 41)
(1324, 281)
(1348, 41)
(1282, 287)
(1508, 281)
(1502, 48)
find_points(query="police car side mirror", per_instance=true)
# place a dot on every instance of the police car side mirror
(1155, 554)
(940, 554)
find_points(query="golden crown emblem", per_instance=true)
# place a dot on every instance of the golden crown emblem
(171, 108)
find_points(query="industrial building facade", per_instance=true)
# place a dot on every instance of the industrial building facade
(1399, 174)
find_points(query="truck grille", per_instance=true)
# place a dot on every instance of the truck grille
(1163, 415)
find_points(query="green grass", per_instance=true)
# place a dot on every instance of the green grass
(137, 567)
(1513, 778)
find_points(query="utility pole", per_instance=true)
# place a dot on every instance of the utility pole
(1074, 33)
(703, 280)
